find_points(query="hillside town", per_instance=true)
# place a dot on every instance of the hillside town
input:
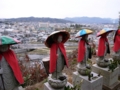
(38, 31)
(33, 55)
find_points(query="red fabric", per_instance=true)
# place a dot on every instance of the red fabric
(53, 56)
(118, 31)
(116, 46)
(13, 62)
(81, 50)
(101, 46)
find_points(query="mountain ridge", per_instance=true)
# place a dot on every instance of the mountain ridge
(86, 19)
(38, 19)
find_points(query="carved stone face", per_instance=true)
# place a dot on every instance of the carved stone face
(85, 37)
(59, 39)
(3, 48)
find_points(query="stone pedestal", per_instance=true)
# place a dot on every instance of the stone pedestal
(115, 86)
(95, 83)
(119, 72)
(20, 88)
(109, 78)
(83, 70)
(116, 57)
(57, 83)
(48, 87)
(54, 84)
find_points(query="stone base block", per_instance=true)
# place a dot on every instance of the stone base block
(20, 88)
(119, 71)
(48, 87)
(95, 83)
(109, 78)
(115, 86)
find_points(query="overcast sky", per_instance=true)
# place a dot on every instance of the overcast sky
(59, 8)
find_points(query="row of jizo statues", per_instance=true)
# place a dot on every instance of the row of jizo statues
(58, 58)
(10, 73)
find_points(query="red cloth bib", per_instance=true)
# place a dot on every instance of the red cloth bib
(81, 50)
(116, 46)
(13, 62)
(53, 56)
(101, 46)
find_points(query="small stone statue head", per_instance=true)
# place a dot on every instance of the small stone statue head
(4, 48)
(58, 38)
(85, 37)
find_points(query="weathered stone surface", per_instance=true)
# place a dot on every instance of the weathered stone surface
(102, 63)
(109, 78)
(95, 83)
(119, 70)
(48, 87)
(83, 70)
(21, 88)
(56, 83)
(115, 86)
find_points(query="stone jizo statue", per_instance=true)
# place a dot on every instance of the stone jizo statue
(58, 58)
(84, 53)
(10, 74)
(103, 50)
(116, 47)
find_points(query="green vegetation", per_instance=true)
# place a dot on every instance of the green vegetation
(113, 65)
(76, 87)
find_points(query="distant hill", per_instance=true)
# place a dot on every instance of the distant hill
(34, 19)
(91, 20)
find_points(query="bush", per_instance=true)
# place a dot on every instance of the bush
(32, 73)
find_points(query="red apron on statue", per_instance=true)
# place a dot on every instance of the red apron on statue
(116, 46)
(53, 56)
(102, 47)
(13, 62)
(81, 50)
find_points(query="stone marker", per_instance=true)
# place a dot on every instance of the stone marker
(46, 61)
(48, 87)
(58, 59)
(110, 79)
(95, 83)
